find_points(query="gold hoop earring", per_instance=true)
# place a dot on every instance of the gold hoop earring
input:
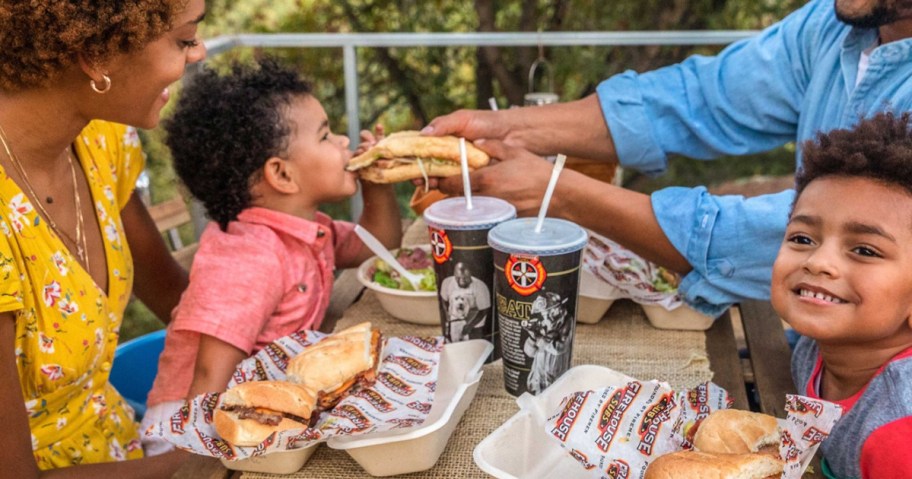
(103, 90)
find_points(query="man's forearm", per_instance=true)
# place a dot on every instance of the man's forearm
(575, 128)
(622, 215)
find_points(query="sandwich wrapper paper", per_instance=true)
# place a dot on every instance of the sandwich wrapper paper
(630, 275)
(400, 398)
(615, 432)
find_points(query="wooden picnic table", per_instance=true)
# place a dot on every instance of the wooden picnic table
(623, 340)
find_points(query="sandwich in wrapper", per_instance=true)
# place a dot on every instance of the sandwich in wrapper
(250, 412)
(728, 444)
(407, 155)
(705, 465)
(336, 365)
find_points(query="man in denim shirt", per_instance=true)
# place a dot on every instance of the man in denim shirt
(824, 66)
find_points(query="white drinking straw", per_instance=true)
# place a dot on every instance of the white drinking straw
(493, 102)
(555, 172)
(467, 188)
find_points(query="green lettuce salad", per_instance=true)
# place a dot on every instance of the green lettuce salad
(416, 261)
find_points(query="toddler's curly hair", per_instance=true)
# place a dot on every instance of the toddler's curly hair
(224, 129)
(878, 148)
(39, 40)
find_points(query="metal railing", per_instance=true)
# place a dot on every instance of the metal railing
(350, 42)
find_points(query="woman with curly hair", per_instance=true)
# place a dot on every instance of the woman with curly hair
(74, 73)
(255, 147)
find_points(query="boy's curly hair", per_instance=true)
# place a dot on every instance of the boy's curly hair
(224, 129)
(878, 148)
(41, 39)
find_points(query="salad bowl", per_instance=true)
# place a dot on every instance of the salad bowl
(419, 307)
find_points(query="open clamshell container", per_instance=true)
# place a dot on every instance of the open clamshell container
(417, 449)
(520, 448)
(399, 451)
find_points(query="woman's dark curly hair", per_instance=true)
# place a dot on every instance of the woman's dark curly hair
(224, 129)
(39, 40)
(878, 148)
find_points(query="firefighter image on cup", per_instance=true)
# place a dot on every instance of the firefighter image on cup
(549, 341)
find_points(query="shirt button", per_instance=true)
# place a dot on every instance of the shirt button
(113, 336)
(320, 233)
(106, 366)
(302, 287)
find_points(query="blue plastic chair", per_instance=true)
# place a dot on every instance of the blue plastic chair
(135, 366)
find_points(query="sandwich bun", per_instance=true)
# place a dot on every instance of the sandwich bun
(333, 366)
(289, 405)
(396, 157)
(736, 431)
(704, 465)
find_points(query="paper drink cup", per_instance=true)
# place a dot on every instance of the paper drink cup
(536, 290)
(463, 264)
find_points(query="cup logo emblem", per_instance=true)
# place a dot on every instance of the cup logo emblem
(525, 275)
(441, 247)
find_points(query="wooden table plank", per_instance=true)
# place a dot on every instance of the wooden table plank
(724, 361)
(202, 467)
(770, 355)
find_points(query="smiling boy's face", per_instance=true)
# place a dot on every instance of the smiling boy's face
(844, 270)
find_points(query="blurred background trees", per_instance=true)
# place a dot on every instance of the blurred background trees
(404, 88)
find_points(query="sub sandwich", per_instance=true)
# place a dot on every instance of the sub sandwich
(728, 444)
(407, 155)
(249, 412)
(338, 364)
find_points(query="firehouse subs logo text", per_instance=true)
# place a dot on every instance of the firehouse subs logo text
(397, 385)
(217, 447)
(208, 405)
(354, 415)
(404, 423)
(308, 435)
(520, 310)
(653, 419)
(698, 399)
(421, 407)
(261, 447)
(178, 421)
(441, 247)
(375, 399)
(789, 444)
(618, 469)
(426, 344)
(800, 405)
(613, 412)
(411, 365)
(431, 386)
(525, 274)
(569, 415)
(260, 371)
(582, 459)
(277, 355)
(814, 436)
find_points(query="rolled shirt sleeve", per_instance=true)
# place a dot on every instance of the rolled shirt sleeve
(730, 241)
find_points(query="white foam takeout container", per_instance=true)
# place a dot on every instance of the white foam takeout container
(595, 297)
(683, 317)
(520, 448)
(400, 451)
(417, 449)
(418, 307)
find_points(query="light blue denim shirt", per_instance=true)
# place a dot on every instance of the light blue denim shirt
(792, 80)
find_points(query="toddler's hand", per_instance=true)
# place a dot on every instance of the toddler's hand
(369, 139)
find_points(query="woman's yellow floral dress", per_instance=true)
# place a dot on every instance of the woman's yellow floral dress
(66, 326)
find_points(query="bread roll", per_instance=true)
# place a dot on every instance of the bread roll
(736, 431)
(291, 405)
(396, 158)
(703, 465)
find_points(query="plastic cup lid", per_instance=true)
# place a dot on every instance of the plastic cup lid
(451, 213)
(519, 237)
